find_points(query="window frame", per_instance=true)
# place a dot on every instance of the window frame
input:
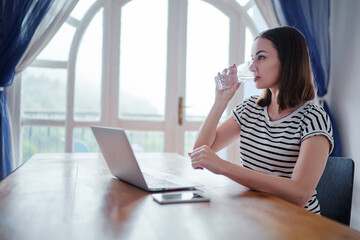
(177, 10)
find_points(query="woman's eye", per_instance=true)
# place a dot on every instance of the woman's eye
(261, 57)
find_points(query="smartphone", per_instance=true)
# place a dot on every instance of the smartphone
(180, 197)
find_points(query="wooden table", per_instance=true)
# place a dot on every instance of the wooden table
(74, 196)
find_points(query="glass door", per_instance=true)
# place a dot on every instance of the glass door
(207, 52)
(142, 73)
(145, 66)
(168, 59)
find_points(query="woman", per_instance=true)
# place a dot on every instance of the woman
(285, 139)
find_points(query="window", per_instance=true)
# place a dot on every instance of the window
(143, 47)
(116, 63)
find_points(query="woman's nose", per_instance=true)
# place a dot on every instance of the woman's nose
(251, 66)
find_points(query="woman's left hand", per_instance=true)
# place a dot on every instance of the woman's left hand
(204, 157)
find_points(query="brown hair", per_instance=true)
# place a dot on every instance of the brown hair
(295, 79)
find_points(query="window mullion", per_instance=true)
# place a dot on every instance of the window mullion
(237, 52)
(74, 51)
(175, 87)
(110, 66)
(236, 55)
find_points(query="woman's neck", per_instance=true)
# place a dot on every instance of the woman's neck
(273, 110)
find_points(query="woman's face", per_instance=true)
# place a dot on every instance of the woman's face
(266, 64)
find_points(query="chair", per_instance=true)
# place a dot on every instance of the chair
(80, 146)
(335, 189)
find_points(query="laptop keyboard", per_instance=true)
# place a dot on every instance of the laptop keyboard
(158, 182)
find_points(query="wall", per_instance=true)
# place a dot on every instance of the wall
(344, 87)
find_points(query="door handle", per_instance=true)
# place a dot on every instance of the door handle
(180, 111)
(181, 108)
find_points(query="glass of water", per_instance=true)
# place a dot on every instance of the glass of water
(233, 74)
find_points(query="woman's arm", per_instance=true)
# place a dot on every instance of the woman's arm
(217, 136)
(212, 135)
(298, 190)
(207, 131)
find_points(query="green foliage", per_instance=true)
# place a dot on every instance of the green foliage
(146, 141)
(134, 106)
(28, 150)
(42, 139)
(44, 90)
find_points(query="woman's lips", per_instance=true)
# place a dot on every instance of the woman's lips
(256, 78)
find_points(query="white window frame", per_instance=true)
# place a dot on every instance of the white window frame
(239, 20)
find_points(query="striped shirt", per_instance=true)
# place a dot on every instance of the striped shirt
(272, 147)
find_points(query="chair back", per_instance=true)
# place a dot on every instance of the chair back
(335, 189)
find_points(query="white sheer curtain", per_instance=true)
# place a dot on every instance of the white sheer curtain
(267, 10)
(51, 23)
(53, 20)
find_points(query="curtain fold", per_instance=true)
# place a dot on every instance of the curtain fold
(5, 167)
(19, 20)
(49, 26)
(312, 18)
(59, 11)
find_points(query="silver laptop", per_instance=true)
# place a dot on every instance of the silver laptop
(122, 163)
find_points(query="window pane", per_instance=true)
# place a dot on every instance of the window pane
(84, 141)
(43, 93)
(207, 54)
(59, 46)
(146, 141)
(256, 16)
(143, 51)
(189, 141)
(242, 2)
(249, 87)
(88, 72)
(42, 140)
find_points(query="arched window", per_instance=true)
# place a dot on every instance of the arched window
(145, 66)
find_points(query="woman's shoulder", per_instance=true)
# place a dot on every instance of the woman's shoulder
(312, 109)
(249, 104)
(246, 107)
(316, 121)
(251, 101)
(315, 114)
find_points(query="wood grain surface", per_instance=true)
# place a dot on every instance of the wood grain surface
(74, 196)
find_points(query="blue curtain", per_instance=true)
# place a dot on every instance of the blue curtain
(18, 22)
(312, 18)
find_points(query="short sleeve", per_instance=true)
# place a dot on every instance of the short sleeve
(317, 122)
(239, 109)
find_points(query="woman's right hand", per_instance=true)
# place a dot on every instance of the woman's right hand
(207, 132)
(225, 95)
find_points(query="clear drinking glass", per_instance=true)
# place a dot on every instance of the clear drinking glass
(233, 74)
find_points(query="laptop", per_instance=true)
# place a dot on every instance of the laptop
(123, 164)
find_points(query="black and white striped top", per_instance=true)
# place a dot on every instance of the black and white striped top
(272, 147)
